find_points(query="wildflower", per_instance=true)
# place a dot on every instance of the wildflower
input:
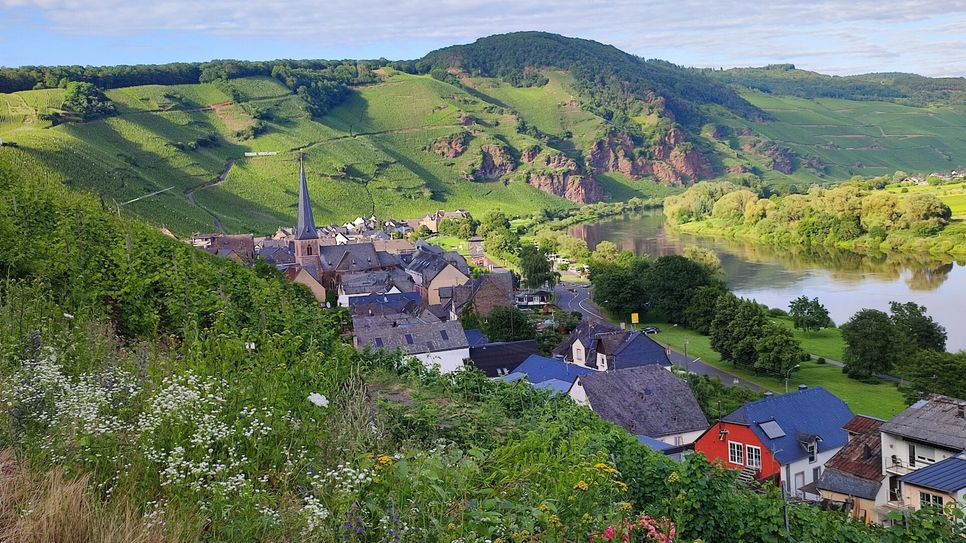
(543, 507)
(673, 477)
(621, 485)
(605, 468)
(554, 520)
(384, 460)
(608, 533)
(586, 518)
(318, 399)
(451, 526)
(581, 485)
(625, 506)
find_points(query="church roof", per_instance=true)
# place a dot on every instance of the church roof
(305, 228)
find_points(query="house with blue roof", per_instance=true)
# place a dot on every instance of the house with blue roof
(548, 373)
(784, 438)
(938, 484)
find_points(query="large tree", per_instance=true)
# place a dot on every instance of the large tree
(777, 350)
(808, 314)
(933, 371)
(536, 268)
(671, 283)
(87, 101)
(508, 324)
(918, 328)
(871, 343)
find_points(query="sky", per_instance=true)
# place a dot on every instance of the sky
(837, 37)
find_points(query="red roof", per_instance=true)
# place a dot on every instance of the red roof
(862, 456)
(861, 424)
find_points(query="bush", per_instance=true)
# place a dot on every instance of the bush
(821, 360)
(777, 312)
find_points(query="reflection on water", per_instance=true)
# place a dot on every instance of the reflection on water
(844, 281)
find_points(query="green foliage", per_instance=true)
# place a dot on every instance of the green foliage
(916, 327)
(871, 344)
(87, 101)
(671, 283)
(508, 324)
(930, 371)
(536, 269)
(717, 399)
(808, 314)
(463, 228)
(742, 333)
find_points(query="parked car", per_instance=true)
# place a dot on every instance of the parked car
(651, 330)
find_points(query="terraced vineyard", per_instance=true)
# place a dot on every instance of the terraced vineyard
(378, 152)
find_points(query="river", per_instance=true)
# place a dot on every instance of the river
(843, 281)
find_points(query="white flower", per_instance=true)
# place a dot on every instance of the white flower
(319, 399)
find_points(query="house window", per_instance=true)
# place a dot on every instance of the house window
(678, 441)
(754, 456)
(578, 353)
(444, 335)
(309, 250)
(812, 452)
(378, 342)
(816, 473)
(926, 499)
(736, 453)
(409, 339)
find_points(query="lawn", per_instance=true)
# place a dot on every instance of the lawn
(879, 400)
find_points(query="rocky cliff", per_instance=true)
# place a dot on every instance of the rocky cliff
(562, 177)
(675, 161)
(494, 162)
(453, 145)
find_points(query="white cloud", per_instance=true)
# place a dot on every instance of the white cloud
(838, 36)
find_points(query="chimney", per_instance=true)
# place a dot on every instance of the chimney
(802, 387)
(962, 411)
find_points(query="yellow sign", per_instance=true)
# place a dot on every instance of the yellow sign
(635, 318)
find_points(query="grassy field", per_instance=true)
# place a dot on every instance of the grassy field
(953, 194)
(856, 137)
(880, 400)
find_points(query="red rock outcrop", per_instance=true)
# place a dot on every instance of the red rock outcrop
(576, 188)
(530, 153)
(675, 161)
(452, 146)
(495, 162)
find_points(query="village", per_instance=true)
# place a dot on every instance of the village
(413, 297)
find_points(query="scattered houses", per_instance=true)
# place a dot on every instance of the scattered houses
(432, 269)
(786, 438)
(237, 247)
(602, 346)
(353, 285)
(646, 401)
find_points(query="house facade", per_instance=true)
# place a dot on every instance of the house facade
(852, 479)
(930, 431)
(787, 438)
(432, 342)
(938, 485)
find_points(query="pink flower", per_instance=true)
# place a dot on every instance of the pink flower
(608, 533)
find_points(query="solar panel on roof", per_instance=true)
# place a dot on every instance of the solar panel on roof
(772, 429)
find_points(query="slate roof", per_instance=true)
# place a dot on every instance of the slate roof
(305, 227)
(493, 358)
(947, 475)
(640, 350)
(834, 480)
(862, 455)
(430, 260)
(476, 337)
(376, 281)
(382, 304)
(648, 400)
(537, 369)
(354, 257)
(411, 335)
(936, 419)
(801, 415)
(585, 332)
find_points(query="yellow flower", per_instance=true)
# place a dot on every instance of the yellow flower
(581, 485)
(673, 477)
(384, 460)
(605, 468)
(451, 526)
(626, 506)
(621, 485)
(554, 520)
(543, 507)
(586, 518)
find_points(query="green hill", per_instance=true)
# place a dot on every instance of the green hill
(518, 122)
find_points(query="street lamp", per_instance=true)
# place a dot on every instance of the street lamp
(787, 373)
(687, 364)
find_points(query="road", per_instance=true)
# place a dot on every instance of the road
(576, 297)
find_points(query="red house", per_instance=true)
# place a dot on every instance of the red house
(784, 438)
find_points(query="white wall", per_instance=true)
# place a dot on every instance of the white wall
(578, 393)
(687, 438)
(448, 361)
(789, 470)
(344, 298)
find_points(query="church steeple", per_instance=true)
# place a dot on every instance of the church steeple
(305, 228)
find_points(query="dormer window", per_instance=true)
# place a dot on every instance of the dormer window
(812, 452)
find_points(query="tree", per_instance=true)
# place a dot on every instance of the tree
(494, 221)
(935, 372)
(700, 313)
(870, 344)
(671, 283)
(86, 100)
(706, 257)
(508, 324)
(537, 268)
(606, 251)
(777, 350)
(917, 327)
(808, 314)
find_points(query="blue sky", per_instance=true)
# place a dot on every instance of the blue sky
(831, 36)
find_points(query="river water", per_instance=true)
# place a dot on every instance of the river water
(843, 281)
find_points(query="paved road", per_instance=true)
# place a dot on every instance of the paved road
(575, 297)
(883, 376)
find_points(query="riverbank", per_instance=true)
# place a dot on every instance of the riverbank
(946, 246)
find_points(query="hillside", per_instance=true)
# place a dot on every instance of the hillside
(153, 392)
(518, 122)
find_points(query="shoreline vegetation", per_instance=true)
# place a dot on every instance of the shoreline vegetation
(863, 216)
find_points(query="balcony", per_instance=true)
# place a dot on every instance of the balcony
(898, 467)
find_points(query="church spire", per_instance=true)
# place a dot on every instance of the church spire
(305, 228)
